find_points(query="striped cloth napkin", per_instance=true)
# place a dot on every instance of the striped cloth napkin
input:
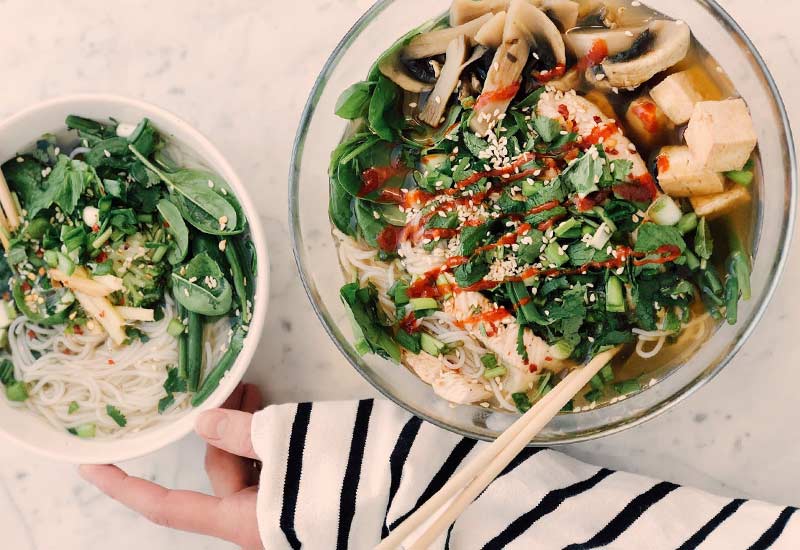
(344, 474)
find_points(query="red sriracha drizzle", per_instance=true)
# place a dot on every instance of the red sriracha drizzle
(662, 162)
(375, 177)
(409, 323)
(596, 54)
(640, 189)
(646, 112)
(556, 72)
(389, 238)
(503, 94)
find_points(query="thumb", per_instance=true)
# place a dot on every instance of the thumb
(227, 430)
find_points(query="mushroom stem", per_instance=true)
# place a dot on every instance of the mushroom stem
(435, 42)
(446, 85)
(462, 11)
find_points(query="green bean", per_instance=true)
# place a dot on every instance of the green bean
(238, 281)
(225, 363)
(194, 359)
(183, 355)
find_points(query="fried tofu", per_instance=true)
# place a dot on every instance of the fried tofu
(679, 175)
(677, 96)
(712, 206)
(721, 135)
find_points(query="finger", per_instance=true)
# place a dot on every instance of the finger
(252, 400)
(227, 430)
(234, 400)
(185, 510)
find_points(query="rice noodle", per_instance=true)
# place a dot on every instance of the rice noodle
(90, 370)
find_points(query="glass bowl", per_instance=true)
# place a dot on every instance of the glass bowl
(320, 131)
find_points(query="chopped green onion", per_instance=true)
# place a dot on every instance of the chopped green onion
(597, 382)
(601, 236)
(567, 226)
(17, 391)
(399, 293)
(489, 360)
(522, 401)
(687, 223)
(421, 304)
(490, 374)
(593, 396)
(562, 349)
(175, 328)
(86, 431)
(615, 295)
(116, 416)
(742, 177)
(665, 211)
(555, 255)
(626, 387)
(431, 345)
(102, 238)
(73, 407)
(607, 373)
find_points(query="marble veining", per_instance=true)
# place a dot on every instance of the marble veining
(240, 71)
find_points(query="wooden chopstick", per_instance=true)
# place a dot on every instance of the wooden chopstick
(479, 473)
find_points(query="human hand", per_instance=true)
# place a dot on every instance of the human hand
(231, 513)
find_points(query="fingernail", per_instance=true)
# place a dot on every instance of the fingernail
(212, 424)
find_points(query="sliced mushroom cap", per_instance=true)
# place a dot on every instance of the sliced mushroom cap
(570, 81)
(535, 27)
(433, 112)
(583, 40)
(393, 68)
(435, 42)
(670, 44)
(462, 11)
(491, 33)
(563, 12)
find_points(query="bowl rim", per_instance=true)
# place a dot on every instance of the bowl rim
(106, 451)
(786, 234)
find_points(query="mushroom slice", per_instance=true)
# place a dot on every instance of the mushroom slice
(536, 27)
(491, 33)
(504, 77)
(433, 112)
(463, 11)
(570, 81)
(393, 68)
(435, 42)
(582, 41)
(563, 12)
(670, 44)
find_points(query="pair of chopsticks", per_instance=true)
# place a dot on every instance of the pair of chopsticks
(9, 215)
(470, 481)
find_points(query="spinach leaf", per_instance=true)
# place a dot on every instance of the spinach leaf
(340, 208)
(542, 192)
(475, 144)
(201, 287)
(217, 185)
(448, 221)
(176, 227)
(362, 304)
(354, 101)
(370, 226)
(24, 177)
(383, 115)
(651, 236)
(90, 130)
(112, 152)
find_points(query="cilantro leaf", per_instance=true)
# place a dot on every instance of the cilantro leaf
(448, 221)
(471, 272)
(472, 236)
(584, 174)
(547, 128)
(116, 415)
(63, 186)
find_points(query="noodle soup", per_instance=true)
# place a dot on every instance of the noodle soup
(129, 278)
(525, 184)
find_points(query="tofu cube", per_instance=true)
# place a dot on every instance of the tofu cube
(712, 206)
(721, 135)
(679, 175)
(677, 96)
(646, 122)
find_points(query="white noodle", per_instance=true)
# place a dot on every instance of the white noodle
(90, 370)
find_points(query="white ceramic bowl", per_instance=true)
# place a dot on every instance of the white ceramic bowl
(18, 134)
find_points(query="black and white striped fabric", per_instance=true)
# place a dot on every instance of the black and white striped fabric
(343, 474)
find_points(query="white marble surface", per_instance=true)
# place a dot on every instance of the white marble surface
(240, 71)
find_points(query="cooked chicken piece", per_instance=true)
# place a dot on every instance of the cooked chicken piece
(424, 365)
(679, 174)
(721, 135)
(585, 116)
(500, 337)
(457, 388)
(677, 95)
